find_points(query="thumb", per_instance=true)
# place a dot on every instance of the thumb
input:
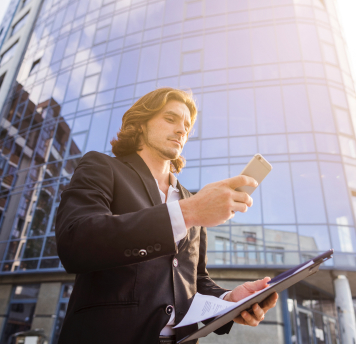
(257, 285)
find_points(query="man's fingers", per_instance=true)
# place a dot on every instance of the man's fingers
(249, 319)
(241, 180)
(257, 285)
(242, 197)
(270, 302)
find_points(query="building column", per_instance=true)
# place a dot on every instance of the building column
(45, 311)
(5, 294)
(344, 305)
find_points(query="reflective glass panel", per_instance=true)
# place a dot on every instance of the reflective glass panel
(239, 48)
(214, 148)
(314, 238)
(98, 131)
(190, 178)
(213, 174)
(272, 144)
(343, 238)
(308, 195)
(327, 143)
(301, 143)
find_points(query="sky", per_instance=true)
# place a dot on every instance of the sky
(347, 13)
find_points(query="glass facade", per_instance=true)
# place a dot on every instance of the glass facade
(269, 77)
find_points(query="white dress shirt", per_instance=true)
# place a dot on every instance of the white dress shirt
(179, 232)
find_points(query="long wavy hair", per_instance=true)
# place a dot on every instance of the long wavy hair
(128, 138)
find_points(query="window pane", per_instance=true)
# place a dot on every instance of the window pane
(351, 176)
(288, 42)
(215, 51)
(118, 26)
(272, 144)
(50, 248)
(128, 68)
(75, 83)
(301, 143)
(239, 48)
(214, 148)
(308, 195)
(321, 109)
(243, 146)
(348, 146)
(264, 48)
(283, 238)
(191, 150)
(309, 42)
(155, 14)
(33, 248)
(26, 291)
(19, 25)
(90, 84)
(242, 112)
(314, 238)
(269, 109)
(170, 59)
(189, 178)
(98, 131)
(296, 108)
(343, 238)
(343, 122)
(109, 73)
(136, 20)
(336, 194)
(214, 115)
(148, 63)
(327, 143)
(277, 189)
(213, 174)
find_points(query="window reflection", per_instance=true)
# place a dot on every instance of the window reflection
(239, 48)
(214, 148)
(335, 193)
(327, 143)
(246, 145)
(314, 238)
(98, 131)
(213, 174)
(190, 178)
(343, 238)
(348, 146)
(308, 195)
(301, 143)
(278, 202)
(272, 144)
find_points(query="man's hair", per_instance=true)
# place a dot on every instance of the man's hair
(128, 138)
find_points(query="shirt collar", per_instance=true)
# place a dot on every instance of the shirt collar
(172, 181)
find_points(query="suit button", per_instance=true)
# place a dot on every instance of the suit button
(158, 247)
(142, 253)
(169, 309)
(135, 252)
(149, 249)
(175, 262)
(127, 253)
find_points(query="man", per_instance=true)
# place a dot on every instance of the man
(137, 239)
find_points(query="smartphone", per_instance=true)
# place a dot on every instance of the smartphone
(257, 168)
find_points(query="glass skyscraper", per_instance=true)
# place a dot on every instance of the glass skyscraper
(269, 76)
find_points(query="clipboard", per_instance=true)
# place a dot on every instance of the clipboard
(279, 283)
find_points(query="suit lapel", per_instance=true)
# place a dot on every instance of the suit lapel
(138, 165)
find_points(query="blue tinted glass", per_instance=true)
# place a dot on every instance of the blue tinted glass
(239, 48)
(272, 144)
(301, 143)
(109, 73)
(269, 110)
(242, 112)
(314, 238)
(128, 68)
(170, 59)
(350, 176)
(86, 40)
(343, 238)
(308, 195)
(72, 43)
(215, 51)
(280, 238)
(118, 26)
(148, 63)
(214, 148)
(115, 125)
(288, 42)
(296, 108)
(309, 42)
(326, 143)
(191, 150)
(243, 146)
(75, 83)
(336, 194)
(321, 108)
(189, 178)
(136, 20)
(277, 197)
(213, 174)
(154, 15)
(98, 132)
(264, 48)
(214, 114)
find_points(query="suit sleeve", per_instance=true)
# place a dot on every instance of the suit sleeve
(205, 285)
(89, 237)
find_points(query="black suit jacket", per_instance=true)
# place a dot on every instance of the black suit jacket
(110, 211)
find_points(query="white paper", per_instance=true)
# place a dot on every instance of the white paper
(204, 307)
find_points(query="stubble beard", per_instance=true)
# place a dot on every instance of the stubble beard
(165, 153)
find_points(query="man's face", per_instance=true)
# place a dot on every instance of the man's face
(167, 132)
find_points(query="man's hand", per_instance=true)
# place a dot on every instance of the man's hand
(258, 311)
(217, 202)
